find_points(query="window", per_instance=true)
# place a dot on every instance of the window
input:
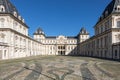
(118, 8)
(19, 17)
(16, 37)
(24, 30)
(116, 53)
(58, 47)
(2, 20)
(63, 47)
(105, 54)
(117, 38)
(15, 24)
(23, 20)
(15, 14)
(106, 13)
(118, 24)
(101, 29)
(2, 8)
(107, 25)
(2, 37)
(5, 53)
(115, 8)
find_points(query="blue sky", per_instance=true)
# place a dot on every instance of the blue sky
(60, 17)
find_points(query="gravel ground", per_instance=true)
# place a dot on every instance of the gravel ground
(59, 68)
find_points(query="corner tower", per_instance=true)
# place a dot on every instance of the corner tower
(13, 32)
(107, 30)
(83, 35)
(10, 18)
(7, 7)
(39, 34)
(109, 21)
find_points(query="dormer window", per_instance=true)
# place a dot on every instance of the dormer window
(23, 20)
(102, 17)
(15, 14)
(106, 13)
(117, 8)
(2, 8)
(19, 17)
(118, 1)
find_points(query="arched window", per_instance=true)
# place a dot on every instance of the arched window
(23, 20)
(2, 20)
(15, 14)
(2, 8)
(19, 17)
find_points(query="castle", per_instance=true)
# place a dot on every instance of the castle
(16, 43)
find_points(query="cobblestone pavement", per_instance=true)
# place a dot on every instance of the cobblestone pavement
(57, 68)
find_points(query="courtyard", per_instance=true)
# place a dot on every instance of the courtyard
(59, 68)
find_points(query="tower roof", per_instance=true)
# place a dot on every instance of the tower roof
(39, 31)
(83, 31)
(112, 7)
(8, 6)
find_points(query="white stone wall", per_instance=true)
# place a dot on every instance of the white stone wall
(9, 22)
(14, 34)
(107, 32)
(51, 44)
(83, 37)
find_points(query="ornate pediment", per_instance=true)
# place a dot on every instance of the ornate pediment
(61, 39)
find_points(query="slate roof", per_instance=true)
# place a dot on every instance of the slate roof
(83, 31)
(39, 31)
(51, 37)
(9, 7)
(54, 37)
(71, 37)
(110, 9)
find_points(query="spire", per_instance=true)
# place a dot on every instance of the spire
(112, 7)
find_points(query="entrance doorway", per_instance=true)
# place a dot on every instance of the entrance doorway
(61, 50)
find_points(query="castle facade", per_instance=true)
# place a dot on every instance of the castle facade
(16, 43)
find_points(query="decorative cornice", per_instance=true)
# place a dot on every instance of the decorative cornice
(8, 29)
